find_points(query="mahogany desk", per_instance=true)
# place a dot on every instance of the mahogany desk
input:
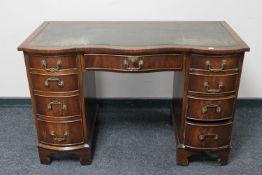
(210, 54)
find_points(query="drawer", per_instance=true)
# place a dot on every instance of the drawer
(208, 135)
(215, 63)
(53, 63)
(134, 63)
(207, 109)
(60, 133)
(212, 84)
(55, 83)
(57, 106)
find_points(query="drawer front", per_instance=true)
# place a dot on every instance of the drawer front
(214, 63)
(57, 106)
(205, 109)
(53, 63)
(212, 84)
(208, 136)
(134, 63)
(60, 133)
(55, 83)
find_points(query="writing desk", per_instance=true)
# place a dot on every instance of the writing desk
(210, 54)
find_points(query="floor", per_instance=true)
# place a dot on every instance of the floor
(131, 140)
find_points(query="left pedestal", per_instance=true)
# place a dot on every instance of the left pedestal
(56, 87)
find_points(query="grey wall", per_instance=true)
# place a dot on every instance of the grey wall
(19, 18)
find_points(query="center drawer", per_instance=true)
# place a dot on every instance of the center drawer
(208, 135)
(60, 133)
(134, 63)
(57, 106)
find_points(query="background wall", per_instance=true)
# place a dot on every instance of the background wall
(19, 18)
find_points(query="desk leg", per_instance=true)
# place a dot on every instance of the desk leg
(223, 156)
(84, 153)
(179, 105)
(44, 156)
(182, 156)
(89, 111)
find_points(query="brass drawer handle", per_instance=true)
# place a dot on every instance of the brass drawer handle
(222, 66)
(220, 86)
(203, 137)
(205, 108)
(59, 139)
(60, 82)
(56, 102)
(133, 59)
(51, 69)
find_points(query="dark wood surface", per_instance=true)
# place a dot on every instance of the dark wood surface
(210, 54)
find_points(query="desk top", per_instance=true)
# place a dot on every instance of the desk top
(134, 36)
